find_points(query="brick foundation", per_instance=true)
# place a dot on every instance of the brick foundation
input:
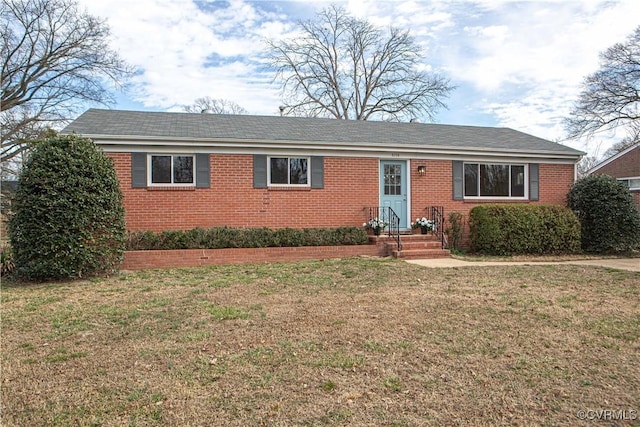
(138, 260)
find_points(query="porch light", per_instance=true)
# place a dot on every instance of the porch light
(422, 170)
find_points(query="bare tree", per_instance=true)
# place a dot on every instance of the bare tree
(55, 58)
(585, 164)
(346, 68)
(214, 106)
(633, 137)
(610, 97)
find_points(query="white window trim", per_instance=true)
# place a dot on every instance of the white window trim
(628, 179)
(169, 184)
(308, 184)
(526, 182)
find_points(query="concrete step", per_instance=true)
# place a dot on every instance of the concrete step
(414, 246)
(411, 237)
(405, 237)
(420, 253)
(421, 244)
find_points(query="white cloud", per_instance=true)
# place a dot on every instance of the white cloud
(518, 64)
(529, 59)
(183, 52)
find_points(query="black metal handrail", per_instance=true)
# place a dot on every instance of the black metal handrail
(388, 217)
(436, 215)
(394, 227)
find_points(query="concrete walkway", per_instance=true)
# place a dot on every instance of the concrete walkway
(630, 264)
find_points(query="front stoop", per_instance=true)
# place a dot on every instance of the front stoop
(416, 246)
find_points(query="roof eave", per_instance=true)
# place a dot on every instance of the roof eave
(109, 140)
(616, 156)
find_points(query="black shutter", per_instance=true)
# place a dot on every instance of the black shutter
(259, 171)
(458, 179)
(534, 181)
(138, 170)
(317, 172)
(203, 171)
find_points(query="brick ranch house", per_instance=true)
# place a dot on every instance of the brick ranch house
(624, 166)
(181, 170)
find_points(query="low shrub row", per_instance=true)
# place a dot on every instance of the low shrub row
(523, 229)
(228, 237)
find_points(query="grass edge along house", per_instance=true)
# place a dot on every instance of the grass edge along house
(184, 170)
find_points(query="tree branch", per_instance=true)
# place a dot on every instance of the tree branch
(610, 97)
(53, 56)
(345, 68)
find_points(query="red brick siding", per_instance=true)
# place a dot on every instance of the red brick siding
(436, 188)
(350, 185)
(625, 166)
(555, 183)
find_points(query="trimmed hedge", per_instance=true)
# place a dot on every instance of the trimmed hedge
(68, 219)
(228, 237)
(523, 229)
(609, 217)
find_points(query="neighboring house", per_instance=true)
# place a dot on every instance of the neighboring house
(625, 167)
(181, 170)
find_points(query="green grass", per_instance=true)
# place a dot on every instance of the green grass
(321, 343)
(63, 355)
(227, 313)
(391, 383)
(328, 386)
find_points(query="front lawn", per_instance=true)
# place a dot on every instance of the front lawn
(345, 342)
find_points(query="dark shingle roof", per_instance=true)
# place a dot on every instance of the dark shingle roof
(97, 123)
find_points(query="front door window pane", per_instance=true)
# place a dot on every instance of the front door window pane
(392, 180)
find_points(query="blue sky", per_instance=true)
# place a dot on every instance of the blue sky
(515, 64)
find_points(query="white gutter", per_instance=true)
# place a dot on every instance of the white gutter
(341, 149)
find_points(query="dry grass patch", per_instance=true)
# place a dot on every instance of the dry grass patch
(343, 342)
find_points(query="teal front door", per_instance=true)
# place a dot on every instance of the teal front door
(393, 188)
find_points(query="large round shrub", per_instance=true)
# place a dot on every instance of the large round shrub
(609, 219)
(515, 229)
(68, 219)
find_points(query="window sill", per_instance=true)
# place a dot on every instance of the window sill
(171, 188)
(489, 200)
(289, 188)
